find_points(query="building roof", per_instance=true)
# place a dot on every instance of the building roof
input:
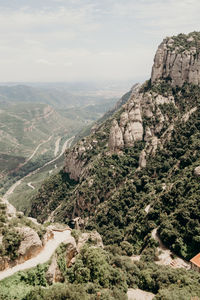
(196, 260)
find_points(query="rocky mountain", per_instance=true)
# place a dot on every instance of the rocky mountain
(178, 60)
(135, 180)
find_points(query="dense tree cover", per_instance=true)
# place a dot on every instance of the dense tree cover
(99, 274)
(115, 204)
(116, 200)
(53, 191)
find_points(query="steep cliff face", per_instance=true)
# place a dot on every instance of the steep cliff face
(78, 160)
(178, 59)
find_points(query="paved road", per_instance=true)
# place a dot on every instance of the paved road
(43, 256)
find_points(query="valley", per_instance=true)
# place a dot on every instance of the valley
(38, 173)
(34, 128)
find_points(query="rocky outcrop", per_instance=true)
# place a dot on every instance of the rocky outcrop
(141, 115)
(74, 162)
(129, 128)
(76, 159)
(116, 136)
(48, 235)
(178, 60)
(197, 171)
(93, 237)
(31, 244)
(53, 273)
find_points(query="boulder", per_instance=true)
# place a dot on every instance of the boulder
(53, 273)
(93, 237)
(197, 171)
(31, 244)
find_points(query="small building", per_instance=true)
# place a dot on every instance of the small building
(195, 263)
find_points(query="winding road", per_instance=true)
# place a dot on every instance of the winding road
(57, 144)
(31, 186)
(43, 256)
(51, 245)
(11, 208)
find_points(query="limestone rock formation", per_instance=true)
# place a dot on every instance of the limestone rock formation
(178, 60)
(53, 273)
(31, 244)
(130, 128)
(94, 237)
(197, 171)
(29, 247)
(142, 113)
(48, 235)
(116, 136)
(76, 160)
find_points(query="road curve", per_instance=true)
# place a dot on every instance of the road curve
(12, 210)
(43, 256)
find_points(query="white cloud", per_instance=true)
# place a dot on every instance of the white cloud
(87, 39)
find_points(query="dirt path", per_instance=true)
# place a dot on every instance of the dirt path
(137, 294)
(36, 149)
(31, 186)
(57, 145)
(11, 208)
(43, 256)
(165, 256)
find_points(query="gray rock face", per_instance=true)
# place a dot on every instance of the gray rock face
(29, 247)
(76, 160)
(94, 237)
(197, 171)
(53, 273)
(31, 244)
(181, 64)
(116, 136)
(130, 128)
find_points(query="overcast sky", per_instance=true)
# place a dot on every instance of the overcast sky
(87, 40)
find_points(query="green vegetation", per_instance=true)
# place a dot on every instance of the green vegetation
(18, 285)
(181, 42)
(11, 236)
(99, 274)
(116, 200)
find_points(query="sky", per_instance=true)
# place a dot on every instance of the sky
(87, 40)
